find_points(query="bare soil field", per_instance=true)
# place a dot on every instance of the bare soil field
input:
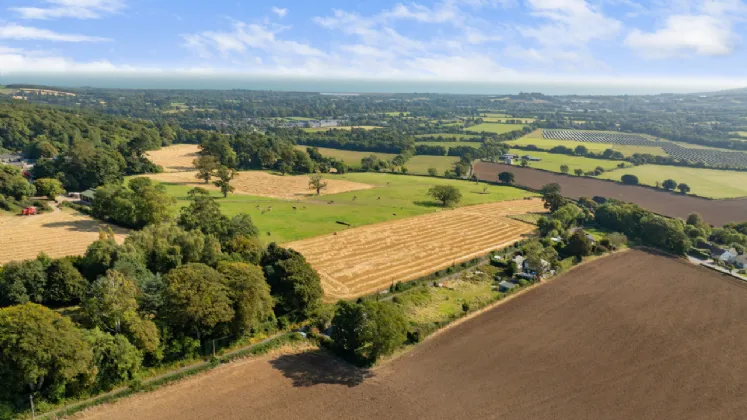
(716, 212)
(596, 343)
(178, 157)
(370, 258)
(58, 234)
(263, 184)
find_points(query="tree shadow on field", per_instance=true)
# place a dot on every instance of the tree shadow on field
(77, 225)
(428, 203)
(316, 368)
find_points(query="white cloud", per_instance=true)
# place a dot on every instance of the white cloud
(23, 33)
(77, 9)
(571, 23)
(708, 31)
(245, 37)
(702, 35)
(281, 12)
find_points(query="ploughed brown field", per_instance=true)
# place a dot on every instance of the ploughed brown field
(368, 259)
(717, 212)
(629, 336)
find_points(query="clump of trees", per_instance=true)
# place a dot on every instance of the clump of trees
(162, 295)
(135, 205)
(364, 332)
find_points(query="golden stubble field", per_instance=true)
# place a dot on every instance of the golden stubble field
(178, 169)
(175, 158)
(368, 259)
(58, 234)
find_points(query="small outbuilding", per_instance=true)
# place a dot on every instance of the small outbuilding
(87, 196)
(506, 286)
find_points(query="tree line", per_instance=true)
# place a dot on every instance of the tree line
(160, 296)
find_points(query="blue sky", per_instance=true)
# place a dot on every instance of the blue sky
(605, 41)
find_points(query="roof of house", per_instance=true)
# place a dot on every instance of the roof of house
(507, 284)
(88, 193)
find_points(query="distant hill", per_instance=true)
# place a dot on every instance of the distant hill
(737, 91)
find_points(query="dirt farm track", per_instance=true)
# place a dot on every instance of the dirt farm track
(717, 212)
(630, 336)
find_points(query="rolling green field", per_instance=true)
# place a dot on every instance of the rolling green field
(299, 118)
(317, 129)
(350, 157)
(416, 164)
(456, 137)
(703, 182)
(448, 144)
(396, 197)
(497, 128)
(547, 144)
(552, 161)
(503, 120)
(494, 115)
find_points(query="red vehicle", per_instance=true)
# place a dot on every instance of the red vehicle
(29, 211)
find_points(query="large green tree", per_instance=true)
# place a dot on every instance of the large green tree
(250, 294)
(40, 351)
(49, 187)
(225, 175)
(197, 299)
(116, 359)
(366, 331)
(448, 195)
(293, 281)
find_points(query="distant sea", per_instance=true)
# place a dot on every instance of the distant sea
(296, 84)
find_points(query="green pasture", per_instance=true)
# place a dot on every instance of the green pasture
(318, 129)
(497, 128)
(739, 133)
(395, 197)
(535, 138)
(448, 144)
(456, 137)
(300, 119)
(711, 183)
(350, 157)
(494, 115)
(505, 120)
(552, 161)
(416, 164)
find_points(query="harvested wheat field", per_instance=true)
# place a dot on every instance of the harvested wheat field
(175, 158)
(629, 336)
(58, 234)
(367, 259)
(264, 184)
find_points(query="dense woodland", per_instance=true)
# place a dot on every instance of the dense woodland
(161, 296)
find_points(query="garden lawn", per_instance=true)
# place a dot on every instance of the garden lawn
(396, 197)
(497, 128)
(710, 183)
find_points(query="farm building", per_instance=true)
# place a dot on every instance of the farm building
(87, 196)
(505, 286)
